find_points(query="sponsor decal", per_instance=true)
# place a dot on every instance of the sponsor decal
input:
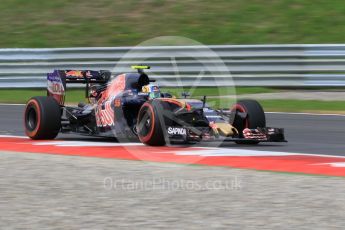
(88, 74)
(105, 116)
(74, 73)
(213, 116)
(53, 77)
(114, 88)
(56, 88)
(177, 131)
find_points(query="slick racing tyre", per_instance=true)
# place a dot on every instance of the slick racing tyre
(150, 124)
(42, 118)
(248, 114)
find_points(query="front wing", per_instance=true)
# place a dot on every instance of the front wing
(191, 134)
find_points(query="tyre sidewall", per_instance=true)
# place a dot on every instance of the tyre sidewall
(48, 118)
(255, 117)
(157, 135)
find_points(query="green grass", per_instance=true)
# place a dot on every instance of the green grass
(290, 105)
(304, 106)
(77, 95)
(23, 95)
(66, 23)
(216, 91)
(19, 95)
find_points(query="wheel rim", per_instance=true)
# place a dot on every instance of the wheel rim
(31, 119)
(244, 123)
(145, 125)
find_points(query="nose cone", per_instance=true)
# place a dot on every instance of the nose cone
(226, 129)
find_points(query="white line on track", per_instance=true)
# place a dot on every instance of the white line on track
(14, 136)
(87, 144)
(212, 151)
(230, 152)
(334, 164)
(198, 151)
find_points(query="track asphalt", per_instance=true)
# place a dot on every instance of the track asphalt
(41, 191)
(306, 133)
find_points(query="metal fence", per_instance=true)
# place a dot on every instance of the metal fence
(243, 65)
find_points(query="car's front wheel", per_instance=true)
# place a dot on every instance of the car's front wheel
(248, 114)
(150, 124)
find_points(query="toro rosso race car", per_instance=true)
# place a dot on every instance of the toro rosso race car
(130, 106)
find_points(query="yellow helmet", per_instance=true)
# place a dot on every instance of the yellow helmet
(145, 89)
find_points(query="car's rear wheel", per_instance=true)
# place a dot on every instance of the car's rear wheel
(42, 118)
(248, 114)
(150, 124)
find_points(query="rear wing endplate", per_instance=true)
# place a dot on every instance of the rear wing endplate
(58, 80)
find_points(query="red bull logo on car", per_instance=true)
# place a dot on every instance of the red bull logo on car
(105, 117)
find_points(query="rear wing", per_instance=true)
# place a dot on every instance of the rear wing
(57, 81)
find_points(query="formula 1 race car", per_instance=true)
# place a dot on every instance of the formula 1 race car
(130, 106)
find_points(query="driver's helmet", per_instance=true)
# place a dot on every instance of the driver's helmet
(153, 91)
